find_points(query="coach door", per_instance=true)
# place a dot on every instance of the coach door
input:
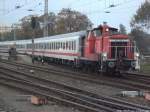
(82, 45)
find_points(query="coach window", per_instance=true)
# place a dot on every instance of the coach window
(43, 45)
(49, 45)
(66, 45)
(61, 46)
(58, 46)
(46, 46)
(74, 45)
(54, 45)
(36, 46)
(39, 45)
(71, 45)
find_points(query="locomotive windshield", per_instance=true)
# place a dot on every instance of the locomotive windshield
(113, 31)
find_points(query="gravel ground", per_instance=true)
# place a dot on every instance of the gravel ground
(15, 101)
(84, 85)
(96, 88)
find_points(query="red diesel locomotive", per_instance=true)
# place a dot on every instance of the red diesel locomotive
(105, 49)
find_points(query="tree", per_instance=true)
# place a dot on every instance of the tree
(27, 30)
(141, 39)
(65, 21)
(71, 21)
(142, 17)
(51, 22)
(122, 29)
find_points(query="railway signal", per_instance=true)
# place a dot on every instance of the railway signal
(33, 25)
(33, 22)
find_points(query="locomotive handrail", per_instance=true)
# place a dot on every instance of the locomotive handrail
(127, 48)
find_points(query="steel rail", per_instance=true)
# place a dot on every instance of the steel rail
(78, 90)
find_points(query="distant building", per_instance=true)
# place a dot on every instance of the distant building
(5, 29)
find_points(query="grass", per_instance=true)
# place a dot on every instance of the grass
(145, 67)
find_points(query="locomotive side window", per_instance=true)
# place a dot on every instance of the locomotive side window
(97, 32)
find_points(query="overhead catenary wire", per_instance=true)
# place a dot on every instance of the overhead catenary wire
(19, 6)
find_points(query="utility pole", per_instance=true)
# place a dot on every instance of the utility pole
(14, 31)
(33, 25)
(45, 33)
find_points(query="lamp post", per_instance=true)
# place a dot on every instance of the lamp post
(45, 33)
(33, 25)
(14, 31)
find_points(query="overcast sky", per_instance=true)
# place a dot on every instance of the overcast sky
(94, 9)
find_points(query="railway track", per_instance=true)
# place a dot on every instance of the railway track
(74, 96)
(129, 81)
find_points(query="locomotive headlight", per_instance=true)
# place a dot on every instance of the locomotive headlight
(104, 56)
(137, 54)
